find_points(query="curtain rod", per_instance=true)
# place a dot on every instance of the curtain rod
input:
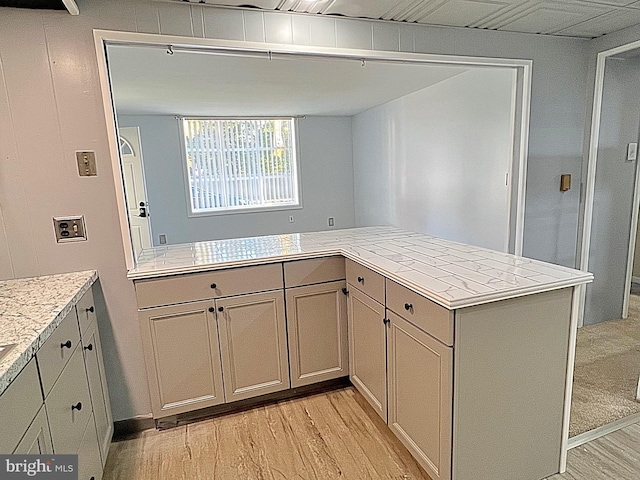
(234, 117)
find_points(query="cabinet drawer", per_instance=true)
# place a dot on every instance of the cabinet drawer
(202, 286)
(68, 424)
(437, 321)
(22, 399)
(316, 270)
(86, 311)
(366, 280)
(56, 351)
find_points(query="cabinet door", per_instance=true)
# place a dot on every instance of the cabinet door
(182, 357)
(317, 330)
(89, 462)
(420, 395)
(367, 349)
(253, 344)
(69, 406)
(98, 389)
(37, 440)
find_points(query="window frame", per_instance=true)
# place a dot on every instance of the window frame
(297, 176)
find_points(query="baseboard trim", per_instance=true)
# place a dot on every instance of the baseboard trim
(602, 431)
(131, 428)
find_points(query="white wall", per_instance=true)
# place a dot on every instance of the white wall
(51, 105)
(326, 169)
(435, 161)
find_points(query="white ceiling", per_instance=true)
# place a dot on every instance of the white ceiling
(147, 80)
(576, 18)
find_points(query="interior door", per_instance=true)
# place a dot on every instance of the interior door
(134, 186)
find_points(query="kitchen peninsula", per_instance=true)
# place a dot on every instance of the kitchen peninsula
(466, 353)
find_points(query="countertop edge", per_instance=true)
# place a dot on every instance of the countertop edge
(476, 299)
(29, 351)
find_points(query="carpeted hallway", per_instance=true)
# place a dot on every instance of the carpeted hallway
(606, 372)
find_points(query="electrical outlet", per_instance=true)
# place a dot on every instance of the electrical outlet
(69, 229)
(162, 238)
(632, 152)
(291, 219)
(331, 221)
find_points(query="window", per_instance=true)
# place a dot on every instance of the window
(240, 164)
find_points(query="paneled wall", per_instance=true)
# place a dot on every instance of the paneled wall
(51, 106)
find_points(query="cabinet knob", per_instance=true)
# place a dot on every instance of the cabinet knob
(221, 309)
(345, 291)
(361, 280)
(214, 286)
(386, 321)
(66, 344)
(77, 406)
(211, 309)
(408, 306)
(89, 347)
(91, 309)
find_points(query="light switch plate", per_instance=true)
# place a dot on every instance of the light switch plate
(86, 163)
(69, 229)
(632, 152)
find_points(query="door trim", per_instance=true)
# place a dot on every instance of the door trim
(590, 182)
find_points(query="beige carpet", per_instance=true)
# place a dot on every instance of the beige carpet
(606, 372)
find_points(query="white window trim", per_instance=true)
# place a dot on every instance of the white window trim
(240, 210)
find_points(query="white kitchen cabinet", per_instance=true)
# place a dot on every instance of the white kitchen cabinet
(253, 344)
(317, 331)
(69, 406)
(93, 360)
(37, 439)
(420, 394)
(367, 349)
(90, 463)
(49, 401)
(182, 357)
(23, 398)
(57, 350)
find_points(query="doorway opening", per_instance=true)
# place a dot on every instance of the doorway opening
(608, 344)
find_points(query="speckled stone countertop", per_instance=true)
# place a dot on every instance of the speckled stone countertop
(30, 310)
(451, 274)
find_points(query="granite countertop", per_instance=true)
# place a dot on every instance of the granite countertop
(451, 274)
(30, 310)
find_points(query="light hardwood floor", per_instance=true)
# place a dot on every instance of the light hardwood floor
(615, 456)
(325, 436)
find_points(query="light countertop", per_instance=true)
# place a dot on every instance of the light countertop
(30, 310)
(451, 274)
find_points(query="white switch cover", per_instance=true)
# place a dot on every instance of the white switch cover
(632, 152)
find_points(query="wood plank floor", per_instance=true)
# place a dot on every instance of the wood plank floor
(326, 436)
(615, 456)
(334, 435)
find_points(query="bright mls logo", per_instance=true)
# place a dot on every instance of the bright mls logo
(51, 467)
